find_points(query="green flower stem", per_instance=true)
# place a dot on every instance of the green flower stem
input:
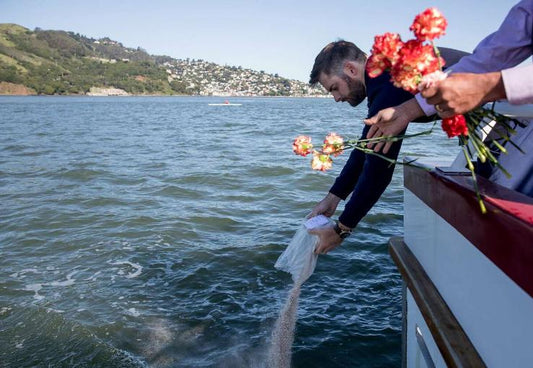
(499, 146)
(392, 162)
(479, 115)
(361, 145)
(467, 154)
(474, 177)
(363, 142)
(501, 135)
(474, 120)
(482, 151)
(437, 54)
(507, 139)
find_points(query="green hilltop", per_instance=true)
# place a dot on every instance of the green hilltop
(65, 63)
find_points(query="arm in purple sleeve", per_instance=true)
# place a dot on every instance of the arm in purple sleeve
(507, 47)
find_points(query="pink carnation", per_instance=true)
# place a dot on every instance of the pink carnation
(333, 144)
(321, 161)
(302, 145)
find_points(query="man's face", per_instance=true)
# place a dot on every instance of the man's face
(344, 88)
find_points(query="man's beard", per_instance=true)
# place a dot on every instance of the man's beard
(357, 91)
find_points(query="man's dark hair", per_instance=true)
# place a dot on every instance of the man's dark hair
(332, 58)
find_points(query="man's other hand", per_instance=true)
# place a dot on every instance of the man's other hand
(325, 207)
(388, 122)
(392, 121)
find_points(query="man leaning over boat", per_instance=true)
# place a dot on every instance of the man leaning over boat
(340, 69)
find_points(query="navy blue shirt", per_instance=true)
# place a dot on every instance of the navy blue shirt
(365, 175)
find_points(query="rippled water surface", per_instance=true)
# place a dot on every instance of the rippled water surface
(143, 232)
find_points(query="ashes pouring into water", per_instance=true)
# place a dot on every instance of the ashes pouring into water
(299, 259)
(279, 355)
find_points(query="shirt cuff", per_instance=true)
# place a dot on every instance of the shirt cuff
(427, 108)
(518, 84)
(336, 190)
(348, 221)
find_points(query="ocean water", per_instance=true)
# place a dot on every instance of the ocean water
(143, 232)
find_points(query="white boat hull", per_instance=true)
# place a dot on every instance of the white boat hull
(482, 285)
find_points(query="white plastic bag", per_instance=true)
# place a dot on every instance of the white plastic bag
(299, 258)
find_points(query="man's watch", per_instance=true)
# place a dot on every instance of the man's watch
(343, 233)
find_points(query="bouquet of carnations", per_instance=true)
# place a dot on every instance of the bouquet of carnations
(415, 65)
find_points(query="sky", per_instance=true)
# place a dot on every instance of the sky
(276, 36)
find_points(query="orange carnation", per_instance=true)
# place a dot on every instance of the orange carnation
(333, 144)
(415, 60)
(302, 145)
(404, 76)
(387, 45)
(384, 53)
(429, 24)
(321, 161)
(419, 56)
(376, 65)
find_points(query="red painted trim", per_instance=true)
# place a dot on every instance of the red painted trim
(504, 234)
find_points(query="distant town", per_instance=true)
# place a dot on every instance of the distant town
(50, 62)
(209, 79)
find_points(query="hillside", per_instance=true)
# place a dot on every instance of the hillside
(59, 62)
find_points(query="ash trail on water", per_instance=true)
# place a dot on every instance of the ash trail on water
(279, 355)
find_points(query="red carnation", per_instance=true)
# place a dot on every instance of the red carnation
(455, 126)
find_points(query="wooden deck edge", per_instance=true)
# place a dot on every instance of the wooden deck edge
(454, 345)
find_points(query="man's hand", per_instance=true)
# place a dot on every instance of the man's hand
(326, 207)
(390, 122)
(462, 92)
(328, 239)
